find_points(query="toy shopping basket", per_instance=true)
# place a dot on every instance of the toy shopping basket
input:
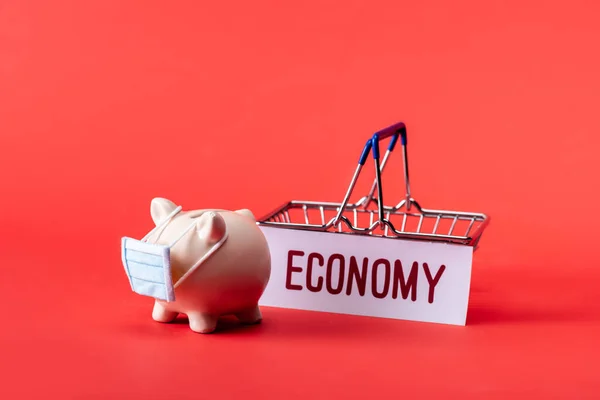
(406, 220)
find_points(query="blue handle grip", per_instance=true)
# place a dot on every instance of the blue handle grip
(398, 128)
(395, 131)
(365, 152)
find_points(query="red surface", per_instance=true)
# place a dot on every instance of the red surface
(104, 105)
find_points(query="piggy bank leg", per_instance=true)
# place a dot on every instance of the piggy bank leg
(202, 323)
(250, 316)
(161, 314)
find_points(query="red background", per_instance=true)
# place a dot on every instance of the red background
(105, 105)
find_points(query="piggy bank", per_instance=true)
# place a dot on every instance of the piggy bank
(201, 263)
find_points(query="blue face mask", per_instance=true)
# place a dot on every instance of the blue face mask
(148, 265)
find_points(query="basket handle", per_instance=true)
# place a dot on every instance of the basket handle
(361, 162)
(396, 131)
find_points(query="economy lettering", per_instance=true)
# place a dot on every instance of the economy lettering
(348, 275)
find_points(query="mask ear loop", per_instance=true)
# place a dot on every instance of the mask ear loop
(185, 231)
(163, 223)
(203, 258)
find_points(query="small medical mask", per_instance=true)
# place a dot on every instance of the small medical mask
(148, 265)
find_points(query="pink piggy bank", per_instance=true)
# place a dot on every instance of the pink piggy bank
(202, 263)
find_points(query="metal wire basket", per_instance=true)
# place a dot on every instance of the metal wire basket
(369, 216)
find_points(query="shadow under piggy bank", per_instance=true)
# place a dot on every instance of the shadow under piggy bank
(225, 324)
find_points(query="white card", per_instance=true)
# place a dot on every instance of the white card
(368, 275)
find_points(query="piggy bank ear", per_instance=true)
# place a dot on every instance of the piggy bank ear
(246, 213)
(160, 208)
(211, 228)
